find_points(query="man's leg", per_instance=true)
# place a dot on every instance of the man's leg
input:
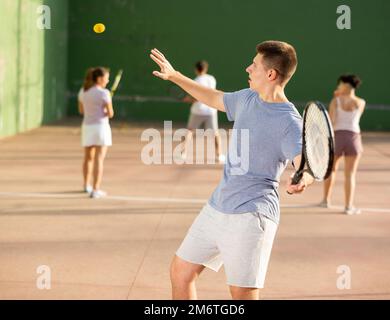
(246, 261)
(329, 183)
(351, 165)
(212, 124)
(186, 144)
(89, 156)
(183, 276)
(101, 152)
(238, 293)
(194, 122)
(218, 144)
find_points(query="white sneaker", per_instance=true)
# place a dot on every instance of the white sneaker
(351, 211)
(88, 189)
(96, 194)
(222, 159)
(324, 204)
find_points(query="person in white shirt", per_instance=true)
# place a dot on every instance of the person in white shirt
(201, 114)
(345, 111)
(95, 104)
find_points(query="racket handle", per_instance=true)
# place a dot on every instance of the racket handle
(297, 177)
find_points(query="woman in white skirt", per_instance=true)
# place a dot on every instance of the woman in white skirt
(95, 104)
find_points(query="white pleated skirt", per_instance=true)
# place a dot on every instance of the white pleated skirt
(96, 135)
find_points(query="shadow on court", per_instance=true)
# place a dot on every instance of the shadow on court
(120, 247)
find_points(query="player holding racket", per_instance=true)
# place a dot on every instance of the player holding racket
(238, 225)
(201, 114)
(95, 104)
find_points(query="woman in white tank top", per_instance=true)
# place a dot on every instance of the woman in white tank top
(345, 111)
(95, 105)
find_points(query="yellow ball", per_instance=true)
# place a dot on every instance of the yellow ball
(99, 28)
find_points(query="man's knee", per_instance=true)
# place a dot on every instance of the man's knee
(239, 293)
(184, 272)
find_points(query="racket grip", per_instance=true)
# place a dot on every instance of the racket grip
(297, 177)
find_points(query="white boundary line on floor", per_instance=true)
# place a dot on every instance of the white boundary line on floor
(164, 200)
(149, 199)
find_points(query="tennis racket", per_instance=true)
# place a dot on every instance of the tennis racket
(117, 80)
(318, 143)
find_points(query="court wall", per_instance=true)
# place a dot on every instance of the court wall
(42, 70)
(33, 65)
(225, 33)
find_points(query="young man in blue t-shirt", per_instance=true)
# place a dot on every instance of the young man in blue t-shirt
(237, 226)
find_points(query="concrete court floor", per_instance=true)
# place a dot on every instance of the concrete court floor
(120, 247)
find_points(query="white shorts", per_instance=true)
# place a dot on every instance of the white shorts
(240, 242)
(197, 121)
(96, 135)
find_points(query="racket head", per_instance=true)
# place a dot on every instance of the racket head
(117, 80)
(177, 93)
(318, 141)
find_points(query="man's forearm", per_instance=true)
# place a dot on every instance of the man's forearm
(208, 96)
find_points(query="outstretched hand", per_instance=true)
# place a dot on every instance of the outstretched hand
(166, 69)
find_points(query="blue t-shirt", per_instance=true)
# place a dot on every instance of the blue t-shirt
(265, 137)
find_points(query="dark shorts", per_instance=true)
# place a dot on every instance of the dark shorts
(348, 143)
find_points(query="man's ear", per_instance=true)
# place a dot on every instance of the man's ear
(272, 74)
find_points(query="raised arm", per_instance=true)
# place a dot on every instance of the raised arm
(208, 96)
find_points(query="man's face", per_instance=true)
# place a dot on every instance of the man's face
(259, 76)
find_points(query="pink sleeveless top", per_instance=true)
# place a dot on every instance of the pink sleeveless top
(347, 120)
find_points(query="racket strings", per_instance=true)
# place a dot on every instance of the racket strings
(317, 135)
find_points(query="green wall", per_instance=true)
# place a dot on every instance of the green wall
(33, 65)
(225, 33)
(38, 67)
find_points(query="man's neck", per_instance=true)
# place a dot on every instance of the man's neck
(274, 95)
